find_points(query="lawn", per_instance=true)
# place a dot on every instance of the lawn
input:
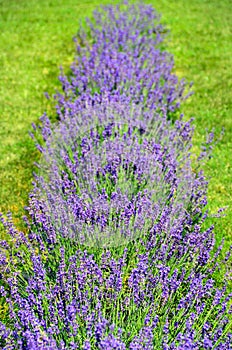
(36, 38)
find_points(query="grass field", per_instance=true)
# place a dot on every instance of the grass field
(36, 38)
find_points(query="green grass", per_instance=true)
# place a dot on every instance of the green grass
(200, 41)
(36, 38)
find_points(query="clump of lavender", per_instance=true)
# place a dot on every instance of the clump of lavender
(116, 161)
(122, 57)
(123, 65)
(115, 178)
(155, 291)
(153, 295)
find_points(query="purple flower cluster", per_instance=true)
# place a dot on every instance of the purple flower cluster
(123, 61)
(115, 256)
(115, 178)
(149, 296)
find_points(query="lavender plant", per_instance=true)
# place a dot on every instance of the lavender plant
(122, 56)
(114, 173)
(155, 291)
(115, 167)
(155, 295)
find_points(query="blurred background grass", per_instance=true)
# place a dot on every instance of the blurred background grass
(36, 38)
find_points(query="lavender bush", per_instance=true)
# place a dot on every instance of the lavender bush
(116, 167)
(124, 58)
(113, 175)
(155, 293)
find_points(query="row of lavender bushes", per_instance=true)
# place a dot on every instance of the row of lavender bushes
(116, 256)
